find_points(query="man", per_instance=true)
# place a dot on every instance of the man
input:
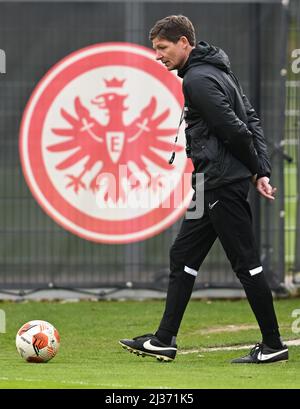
(225, 142)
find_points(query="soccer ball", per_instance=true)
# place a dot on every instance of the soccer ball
(37, 341)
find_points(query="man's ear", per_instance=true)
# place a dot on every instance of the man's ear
(184, 41)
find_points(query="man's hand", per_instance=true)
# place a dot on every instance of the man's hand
(264, 188)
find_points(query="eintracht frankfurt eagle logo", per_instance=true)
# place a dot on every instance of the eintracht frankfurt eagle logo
(96, 137)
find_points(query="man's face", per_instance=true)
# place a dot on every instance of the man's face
(172, 55)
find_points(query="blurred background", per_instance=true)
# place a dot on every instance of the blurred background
(262, 40)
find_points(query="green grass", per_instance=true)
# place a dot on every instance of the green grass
(90, 356)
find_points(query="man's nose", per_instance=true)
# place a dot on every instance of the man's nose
(158, 55)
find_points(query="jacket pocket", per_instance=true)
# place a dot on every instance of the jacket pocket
(205, 160)
(205, 149)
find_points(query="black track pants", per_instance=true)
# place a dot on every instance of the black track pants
(227, 215)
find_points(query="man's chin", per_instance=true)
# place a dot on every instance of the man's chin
(171, 68)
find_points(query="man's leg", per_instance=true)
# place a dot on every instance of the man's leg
(190, 248)
(192, 244)
(232, 220)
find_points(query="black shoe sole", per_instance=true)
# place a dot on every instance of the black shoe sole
(260, 362)
(284, 360)
(161, 358)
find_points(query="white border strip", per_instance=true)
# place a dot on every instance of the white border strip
(293, 342)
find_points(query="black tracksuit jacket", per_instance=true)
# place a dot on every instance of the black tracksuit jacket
(224, 137)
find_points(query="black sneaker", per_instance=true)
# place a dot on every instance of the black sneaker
(262, 354)
(149, 344)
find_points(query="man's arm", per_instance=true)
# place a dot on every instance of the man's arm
(213, 105)
(264, 166)
(262, 179)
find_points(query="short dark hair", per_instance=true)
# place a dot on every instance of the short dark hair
(173, 27)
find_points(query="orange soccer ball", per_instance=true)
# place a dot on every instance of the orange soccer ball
(37, 341)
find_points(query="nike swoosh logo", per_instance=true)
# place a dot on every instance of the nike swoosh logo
(212, 205)
(263, 357)
(150, 347)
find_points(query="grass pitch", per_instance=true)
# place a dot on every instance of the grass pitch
(90, 356)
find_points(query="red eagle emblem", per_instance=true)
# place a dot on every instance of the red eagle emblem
(114, 143)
